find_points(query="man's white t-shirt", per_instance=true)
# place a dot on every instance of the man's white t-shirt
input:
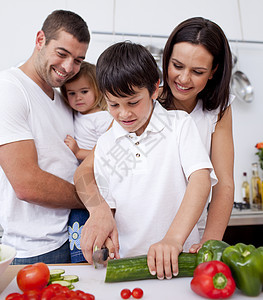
(145, 177)
(27, 113)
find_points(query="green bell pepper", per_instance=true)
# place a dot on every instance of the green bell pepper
(211, 250)
(246, 264)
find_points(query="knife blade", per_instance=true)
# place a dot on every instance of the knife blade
(100, 257)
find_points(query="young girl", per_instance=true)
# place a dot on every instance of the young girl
(91, 120)
(197, 66)
(90, 116)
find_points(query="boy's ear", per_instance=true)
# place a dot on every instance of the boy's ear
(156, 91)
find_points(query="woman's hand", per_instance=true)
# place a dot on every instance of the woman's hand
(162, 258)
(195, 248)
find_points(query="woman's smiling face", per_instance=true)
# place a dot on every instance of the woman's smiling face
(189, 69)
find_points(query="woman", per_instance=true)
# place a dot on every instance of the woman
(197, 66)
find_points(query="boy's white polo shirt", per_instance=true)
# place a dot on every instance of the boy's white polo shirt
(144, 177)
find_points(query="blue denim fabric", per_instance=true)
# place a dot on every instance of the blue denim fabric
(77, 219)
(58, 256)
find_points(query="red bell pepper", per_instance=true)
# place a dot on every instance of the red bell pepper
(213, 279)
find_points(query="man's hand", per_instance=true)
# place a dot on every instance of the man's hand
(99, 226)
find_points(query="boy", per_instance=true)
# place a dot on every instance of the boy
(145, 165)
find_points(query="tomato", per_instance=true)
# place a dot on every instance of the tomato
(32, 295)
(14, 296)
(33, 277)
(87, 296)
(137, 293)
(126, 294)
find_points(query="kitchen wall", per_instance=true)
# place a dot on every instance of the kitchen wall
(150, 22)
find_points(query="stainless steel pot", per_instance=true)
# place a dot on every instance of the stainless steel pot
(242, 87)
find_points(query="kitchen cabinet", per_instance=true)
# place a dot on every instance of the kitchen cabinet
(159, 18)
(245, 226)
(247, 234)
(252, 21)
(98, 14)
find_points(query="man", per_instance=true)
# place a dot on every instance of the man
(37, 167)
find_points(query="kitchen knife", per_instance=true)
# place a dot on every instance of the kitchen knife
(100, 257)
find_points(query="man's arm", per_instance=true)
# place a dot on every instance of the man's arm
(30, 183)
(101, 223)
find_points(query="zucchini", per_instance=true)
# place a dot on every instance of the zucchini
(136, 268)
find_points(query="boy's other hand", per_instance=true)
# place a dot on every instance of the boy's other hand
(162, 258)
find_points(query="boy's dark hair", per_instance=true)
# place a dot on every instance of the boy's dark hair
(124, 66)
(200, 31)
(68, 21)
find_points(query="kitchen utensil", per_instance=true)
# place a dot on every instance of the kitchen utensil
(242, 87)
(7, 254)
(100, 257)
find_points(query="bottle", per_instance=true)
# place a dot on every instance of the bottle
(256, 188)
(245, 191)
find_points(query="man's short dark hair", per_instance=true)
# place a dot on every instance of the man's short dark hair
(68, 21)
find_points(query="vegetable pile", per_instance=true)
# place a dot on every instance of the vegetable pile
(241, 266)
(37, 282)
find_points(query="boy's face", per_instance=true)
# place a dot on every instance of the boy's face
(133, 113)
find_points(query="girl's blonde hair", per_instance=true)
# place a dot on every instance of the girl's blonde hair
(88, 71)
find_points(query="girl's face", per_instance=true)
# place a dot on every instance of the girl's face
(189, 69)
(133, 113)
(81, 95)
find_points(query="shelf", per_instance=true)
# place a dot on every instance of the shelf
(245, 217)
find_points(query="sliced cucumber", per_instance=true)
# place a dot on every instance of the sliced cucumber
(71, 278)
(62, 282)
(56, 273)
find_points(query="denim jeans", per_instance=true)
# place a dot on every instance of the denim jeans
(58, 256)
(77, 220)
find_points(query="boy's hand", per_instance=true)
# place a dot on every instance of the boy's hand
(162, 258)
(98, 228)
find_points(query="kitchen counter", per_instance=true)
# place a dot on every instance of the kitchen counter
(246, 217)
(92, 281)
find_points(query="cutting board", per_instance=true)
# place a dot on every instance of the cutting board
(92, 281)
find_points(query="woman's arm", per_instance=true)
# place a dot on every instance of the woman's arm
(164, 254)
(222, 157)
(101, 224)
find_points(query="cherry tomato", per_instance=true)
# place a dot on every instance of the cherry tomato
(14, 296)
(126, 294)
(33, 277)
(32, 295)
(48, 293)
(137, 293)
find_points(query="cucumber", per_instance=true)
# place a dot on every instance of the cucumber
(71, 278)
(56, 273)
(136, 268)
(65, 283)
